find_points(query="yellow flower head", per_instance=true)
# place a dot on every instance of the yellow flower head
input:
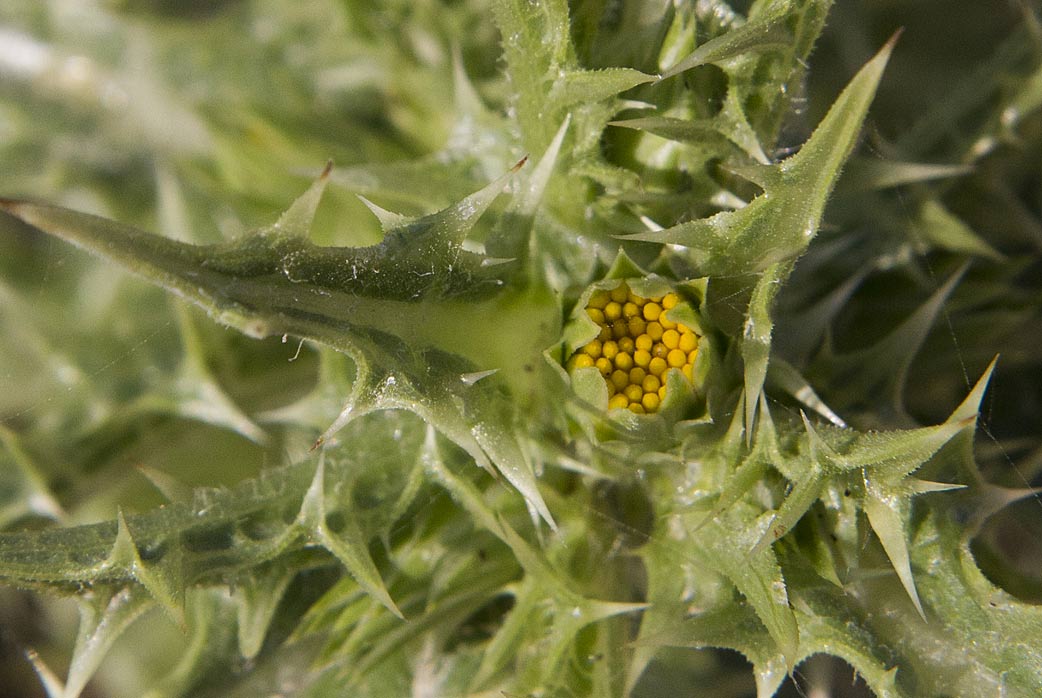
(636, 346)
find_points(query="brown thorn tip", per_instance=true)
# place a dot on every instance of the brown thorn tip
(520, 164)
(318, 442)
(327, 169)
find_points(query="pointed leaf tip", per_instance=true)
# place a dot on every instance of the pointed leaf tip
(970, 406)
(886, 520)
(298, 218)
(389, 220)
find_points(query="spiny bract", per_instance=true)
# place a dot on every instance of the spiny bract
(550, 408)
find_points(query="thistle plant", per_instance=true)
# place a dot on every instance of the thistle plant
(519, 348)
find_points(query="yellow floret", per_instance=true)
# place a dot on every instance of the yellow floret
(624, 361)
(620, 293)
(644, 342)
(636, 326)
(626, 345)
(609, 350)
(657, 366)
(582, 361)
(620, 378)
(671, 338)
(666, 323)
(604, 366)
(637, 375)
(650, 384)
(633, 393)
(676, 358)
(618, 402)
(612, 311)
(688, 341)
(637, 408)
(652, 311)
(630, 309)
(654, 331)
(593, 349)
(670, 300)
(642, 357)
(598, 299)
(596, 314)
(650, 401)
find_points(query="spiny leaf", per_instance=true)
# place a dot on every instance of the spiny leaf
(418, 286)
(730, 124)
(102, 621)
(350, 549)
(887, 515)
(763, 33)
(756, 338)
(219, 533)
(782, 375)
(802, 496)
(980, 639)
(257, 600)
(757, 576)
(576, 86)
(894, 454)
(940, 228)
(753, 466)
(829, 625)
(536, 46)
(864, 174)
(778, 225)
(276, 282)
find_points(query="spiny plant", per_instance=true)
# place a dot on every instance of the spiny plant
(607, 364)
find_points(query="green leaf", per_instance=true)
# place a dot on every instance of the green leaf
(102, 620)
(419, 288)
(756, 575)
(350, 547)
(940, 228)
(778, 225)
(765, 32)
(866, 174)
(729, 125)
(536, 46)
(576, 86)
(756, 339)
(274, 281)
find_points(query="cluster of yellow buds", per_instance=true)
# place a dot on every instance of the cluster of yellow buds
(637, 345)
